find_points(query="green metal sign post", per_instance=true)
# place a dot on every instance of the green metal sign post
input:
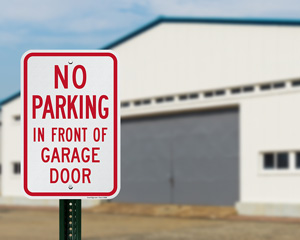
(69, 219)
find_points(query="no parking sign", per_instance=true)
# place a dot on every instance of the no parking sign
(71, 124)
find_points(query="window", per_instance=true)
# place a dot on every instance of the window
(146, 101)
(282, 160)
(265, 87)
(125, 104)
(248, 89)
(17, 118)
(278, 160)
(169, 99)
(159, 100)
(279, 85)
(137, 103)
(235, 90)
(208, 94)
(296, 83)
(16, 168)
(194, 96)
(297, 159)
(183, 97)
(220, 92)
(269, 161)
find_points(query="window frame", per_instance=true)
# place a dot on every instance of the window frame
(275, 170)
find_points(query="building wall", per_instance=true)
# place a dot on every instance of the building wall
(182, 58)
(172, 59)
(269, 124)
(11, 148)
(176, 58)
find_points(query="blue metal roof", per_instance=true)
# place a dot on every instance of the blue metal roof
(242, 21)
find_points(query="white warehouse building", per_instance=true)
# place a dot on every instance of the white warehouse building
(209, 115)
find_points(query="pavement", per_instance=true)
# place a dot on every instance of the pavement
(42, 224)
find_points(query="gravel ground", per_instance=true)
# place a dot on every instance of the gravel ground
(40, 224)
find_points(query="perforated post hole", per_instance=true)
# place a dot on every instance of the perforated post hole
(70, 219)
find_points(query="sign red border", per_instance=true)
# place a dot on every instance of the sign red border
(115, 123)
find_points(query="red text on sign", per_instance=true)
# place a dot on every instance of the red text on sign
(63, 107)
(69, 155)
(65, 175)
(64, 78)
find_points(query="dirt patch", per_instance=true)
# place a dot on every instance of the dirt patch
(166, 210)
(37, 224)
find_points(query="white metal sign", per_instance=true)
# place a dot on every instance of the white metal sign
(71, 124)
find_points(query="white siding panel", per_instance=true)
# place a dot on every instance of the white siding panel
(269, 124)
(183, 57)
(11, 148)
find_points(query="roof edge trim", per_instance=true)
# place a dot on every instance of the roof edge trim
(10, 98)
(133, 33)
(212, 20)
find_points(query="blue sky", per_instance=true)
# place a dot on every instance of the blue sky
(55, 24)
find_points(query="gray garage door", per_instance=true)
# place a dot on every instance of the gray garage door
(191, 158)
